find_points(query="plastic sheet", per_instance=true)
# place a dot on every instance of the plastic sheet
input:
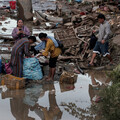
(32, 69)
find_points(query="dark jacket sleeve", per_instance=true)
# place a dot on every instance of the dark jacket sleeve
(26, 49)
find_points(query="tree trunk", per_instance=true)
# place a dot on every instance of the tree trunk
(25, 9)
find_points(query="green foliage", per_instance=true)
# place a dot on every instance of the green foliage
(115, 75)
(110, 105)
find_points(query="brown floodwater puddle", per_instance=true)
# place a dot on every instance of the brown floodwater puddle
(53, 101)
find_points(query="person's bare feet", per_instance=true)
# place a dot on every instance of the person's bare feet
(111, 64)
(49, 79)
(46, 77)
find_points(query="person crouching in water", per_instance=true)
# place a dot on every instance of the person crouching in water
(54, 53)
(20, 49)
(101, 45)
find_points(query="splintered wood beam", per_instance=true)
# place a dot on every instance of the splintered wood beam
(70, 57)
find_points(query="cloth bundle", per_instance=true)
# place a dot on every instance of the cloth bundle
(32, 69)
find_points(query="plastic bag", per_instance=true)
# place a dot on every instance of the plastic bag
(32, 69)
(7, 68)
(93, 40)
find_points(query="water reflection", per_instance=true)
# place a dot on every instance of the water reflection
(98, 82)
(18, 108)
(54, 112)
(55, 101)
(23, 101)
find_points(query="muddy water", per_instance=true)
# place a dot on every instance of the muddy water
(53, 101)
(7, 26)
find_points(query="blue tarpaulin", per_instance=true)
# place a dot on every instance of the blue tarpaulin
(42, 45)
(78, 0)
(32, 69)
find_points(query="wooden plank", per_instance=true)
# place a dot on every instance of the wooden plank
(69, 57)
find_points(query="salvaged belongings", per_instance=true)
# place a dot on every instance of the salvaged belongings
(32, 69)
(13, 82)
(69, 78)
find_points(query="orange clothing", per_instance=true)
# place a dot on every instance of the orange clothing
(50, 47)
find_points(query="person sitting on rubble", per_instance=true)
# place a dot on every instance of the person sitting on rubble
(20, 49)
(20, 31)
(54, 53)
(101, 45)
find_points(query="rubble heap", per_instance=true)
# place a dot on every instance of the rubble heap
(76, 36)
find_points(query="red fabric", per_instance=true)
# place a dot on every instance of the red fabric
(82, 13)
(12, 4)
(8, 69)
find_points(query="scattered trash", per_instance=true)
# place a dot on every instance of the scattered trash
(41, 59)
(97, 99)
(3, 88)
(13, 5)
(76, 71)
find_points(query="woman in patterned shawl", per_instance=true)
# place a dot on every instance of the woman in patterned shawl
(20, 49)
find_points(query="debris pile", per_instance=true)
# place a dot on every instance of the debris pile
(76, 35)
(73, 24)
(76, 40)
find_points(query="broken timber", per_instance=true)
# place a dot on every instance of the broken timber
(76, 48)
(67, 37)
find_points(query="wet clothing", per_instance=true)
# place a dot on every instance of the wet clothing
(104, 34)
(20, 48)
(50, 47)
(18, 37)
(52, 62)
(101, 48)
(54, 53)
